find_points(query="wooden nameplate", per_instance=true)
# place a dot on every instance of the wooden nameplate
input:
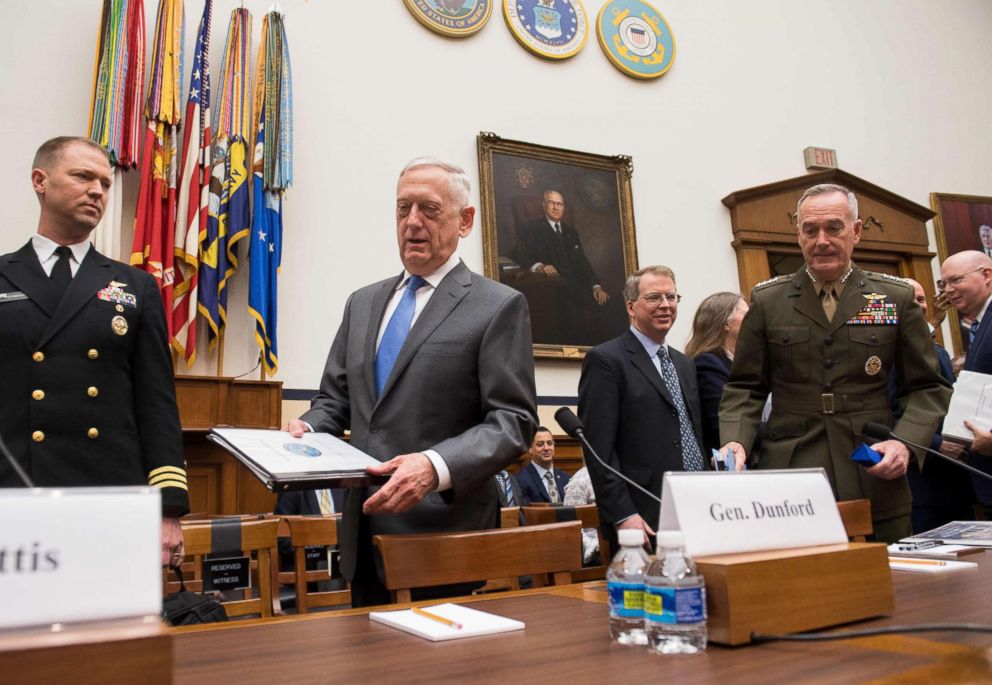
(794, 590)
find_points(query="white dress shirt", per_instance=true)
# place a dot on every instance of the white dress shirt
(45, 249)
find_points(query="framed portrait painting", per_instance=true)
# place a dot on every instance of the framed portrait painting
(558, 226)
(963, 222)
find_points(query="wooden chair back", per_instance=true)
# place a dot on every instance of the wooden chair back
(258, 540)
(416, 561)
(856, 515)
(311, 531)
(588, 514)
(509, 517)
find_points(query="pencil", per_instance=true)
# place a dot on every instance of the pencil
(921, 562)
(434, 617)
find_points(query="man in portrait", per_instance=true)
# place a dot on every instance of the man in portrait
(985, 235)
(550, 249)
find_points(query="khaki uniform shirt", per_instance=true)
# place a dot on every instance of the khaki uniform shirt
(827, 379)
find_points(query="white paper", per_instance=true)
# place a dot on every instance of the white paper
(972, 400)
(723, 513)
(474, 622)
(280, 453)
(929, 565)
(79, 554)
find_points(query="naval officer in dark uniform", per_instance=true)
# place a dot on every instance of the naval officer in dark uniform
(88, 395)
(824, 342)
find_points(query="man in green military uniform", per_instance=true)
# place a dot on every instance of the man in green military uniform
(824, 342)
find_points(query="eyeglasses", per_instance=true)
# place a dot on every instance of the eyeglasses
(956, 280)
(654, 299)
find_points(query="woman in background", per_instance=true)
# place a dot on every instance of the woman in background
(711, 346)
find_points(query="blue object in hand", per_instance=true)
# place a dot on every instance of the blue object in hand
(865, 456)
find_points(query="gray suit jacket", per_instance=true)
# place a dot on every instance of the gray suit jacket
(463, 385)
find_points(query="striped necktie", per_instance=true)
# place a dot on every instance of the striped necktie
(692, 459)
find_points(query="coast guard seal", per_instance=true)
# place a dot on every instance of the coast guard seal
(635, 38)
(454, 18)
(555, 29)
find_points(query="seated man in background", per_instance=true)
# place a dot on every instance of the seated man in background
(941, 492)
(539, 480)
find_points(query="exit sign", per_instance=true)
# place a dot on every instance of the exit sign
(820, 158)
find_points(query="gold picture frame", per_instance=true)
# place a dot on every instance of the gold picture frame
(956, 228)
(593, 243)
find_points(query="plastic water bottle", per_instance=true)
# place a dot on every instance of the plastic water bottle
(625, 584)
(674, 599)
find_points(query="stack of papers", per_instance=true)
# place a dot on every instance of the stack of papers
(473, 623)
(972, 533)
(282, 462)
(936, 552)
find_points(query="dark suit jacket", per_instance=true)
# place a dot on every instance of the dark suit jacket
(712, 372)
(88, 394)
(538, 242)
(631, 421)
(463, 385)
(533, 487)
(979, 359)
(300, 503)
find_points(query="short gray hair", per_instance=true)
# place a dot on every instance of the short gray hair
(457, 178)
(632, 288)
(826, 189)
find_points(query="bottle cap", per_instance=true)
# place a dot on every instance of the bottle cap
(630, 537)
(671, 538)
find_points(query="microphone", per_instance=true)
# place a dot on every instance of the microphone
(13, 462)
(879, 432)
(571, 424)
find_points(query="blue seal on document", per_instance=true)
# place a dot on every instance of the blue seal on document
(300, 449)
(555, 29)
(635, 38)
(455, 18)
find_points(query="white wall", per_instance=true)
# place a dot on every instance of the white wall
(898, 87)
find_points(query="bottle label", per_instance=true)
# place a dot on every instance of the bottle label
(626, 599)
(675, 605)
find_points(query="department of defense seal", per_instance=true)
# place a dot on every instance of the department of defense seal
(555, 29)
(635, 38)
(454, 18)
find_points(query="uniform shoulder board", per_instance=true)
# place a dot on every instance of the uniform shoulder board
(887, 277)
(770, 281)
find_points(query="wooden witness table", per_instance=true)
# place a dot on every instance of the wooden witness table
(566, 641)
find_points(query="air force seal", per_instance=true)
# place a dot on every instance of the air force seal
(555, 29)
(635, 38)
(455, 18)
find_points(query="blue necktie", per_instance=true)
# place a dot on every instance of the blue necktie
(692, 459)
(973, 331)
(396, 332)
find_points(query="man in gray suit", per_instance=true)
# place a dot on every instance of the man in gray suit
(432, 372)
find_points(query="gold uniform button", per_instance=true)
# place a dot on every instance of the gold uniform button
(38, 356)
(92, 434)
(92, 391)
(38, 395)
(38, 436)
(93, 354)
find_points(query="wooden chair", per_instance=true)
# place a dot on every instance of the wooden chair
(191, 568)
(258, 539)
(509, 517)
(416, 561)
(311, 531)
(588, 514)
(856, 515)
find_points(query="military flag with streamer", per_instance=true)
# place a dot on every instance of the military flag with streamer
(229, 218)
(155, 218)
(194, 195)
(115, 107)
(273, 174)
